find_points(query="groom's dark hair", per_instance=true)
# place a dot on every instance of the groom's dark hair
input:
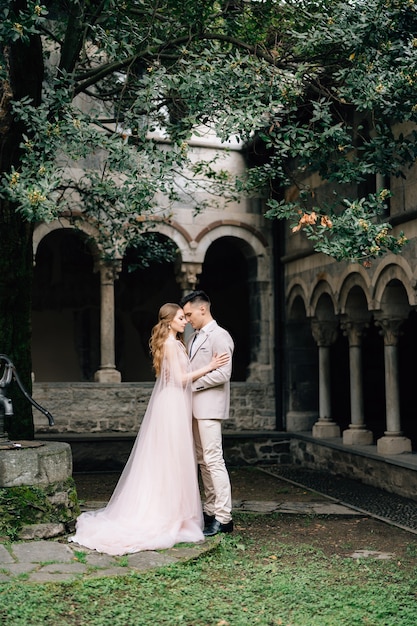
(195, 296)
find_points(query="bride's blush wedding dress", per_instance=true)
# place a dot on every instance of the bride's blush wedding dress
(156, 503)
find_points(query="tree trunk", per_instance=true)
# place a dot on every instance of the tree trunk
(15, 314)
(25, 68)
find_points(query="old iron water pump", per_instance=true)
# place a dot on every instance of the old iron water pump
(7, 374)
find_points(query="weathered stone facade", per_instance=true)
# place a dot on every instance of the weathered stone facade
(92, 316)
(352, 337)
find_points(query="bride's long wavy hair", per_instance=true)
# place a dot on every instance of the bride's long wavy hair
(160, 333)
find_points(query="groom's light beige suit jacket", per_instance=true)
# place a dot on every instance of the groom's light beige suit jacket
(211, 393)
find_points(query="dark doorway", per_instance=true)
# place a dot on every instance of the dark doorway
(225, 278)
(139, 294)
(374, 380)
(340, 382)
(65, 309)
(302, 370)
(407, 373)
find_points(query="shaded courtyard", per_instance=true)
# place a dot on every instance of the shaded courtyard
(341, 534)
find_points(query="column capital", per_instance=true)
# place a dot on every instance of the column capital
(353, 330)
(187, 277)
(109, 269)
(324, 331)
(390, 329)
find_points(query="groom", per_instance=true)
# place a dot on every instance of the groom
(211, 398)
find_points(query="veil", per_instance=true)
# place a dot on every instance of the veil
(156, 502)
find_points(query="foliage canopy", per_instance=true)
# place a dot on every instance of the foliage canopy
(318, 85)
(99, 99)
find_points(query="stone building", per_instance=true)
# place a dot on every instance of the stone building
(351, 339)
(324, 364)
(350, 345)
(92, 318)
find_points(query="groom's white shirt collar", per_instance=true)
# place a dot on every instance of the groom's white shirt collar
(207, 327)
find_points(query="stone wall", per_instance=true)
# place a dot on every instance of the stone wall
(256, 449)
(392, 474)
(104, 453)
(98, 408)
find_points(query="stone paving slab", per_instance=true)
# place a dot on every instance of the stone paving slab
(5, 556)
(57, 572)
(42, 552)
(374, 554)
(145, 560)
(16, 569)
(115, 570)
(59, 568)
(318, 508)
(50, 561)
(138, 560)
(95, 559)
(296, 508)
(49, 577)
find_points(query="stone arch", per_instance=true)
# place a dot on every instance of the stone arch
(323, 303)
(44, 229)
(354, 283)
(256, 242)
(177, 233)
(297, 310)
(356, 305)
(226, 277)
(297, 290)
(253, 247)
(394, 300)
(407, 347)
(389, 272)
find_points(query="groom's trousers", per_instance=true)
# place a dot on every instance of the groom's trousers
(209, 451)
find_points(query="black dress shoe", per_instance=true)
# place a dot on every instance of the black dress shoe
(208, 519)
(217, 527)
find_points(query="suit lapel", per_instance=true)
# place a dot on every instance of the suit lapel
(200, 342)
(203, 340)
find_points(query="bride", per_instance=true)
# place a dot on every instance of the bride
(156, 502)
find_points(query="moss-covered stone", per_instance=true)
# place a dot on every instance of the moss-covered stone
(25, 505)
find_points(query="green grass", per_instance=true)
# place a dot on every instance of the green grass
(235, 585)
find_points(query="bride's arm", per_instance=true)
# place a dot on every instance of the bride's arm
(216, 361)
(173, 367)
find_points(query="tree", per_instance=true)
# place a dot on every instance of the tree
(91, 87)
(99, 81)
(25, 75)
(350, 118)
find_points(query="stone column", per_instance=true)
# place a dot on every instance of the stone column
(107, 372)
(325, 334)
(393, 441)
(357, 433)
(188, 275)
(187, 278)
